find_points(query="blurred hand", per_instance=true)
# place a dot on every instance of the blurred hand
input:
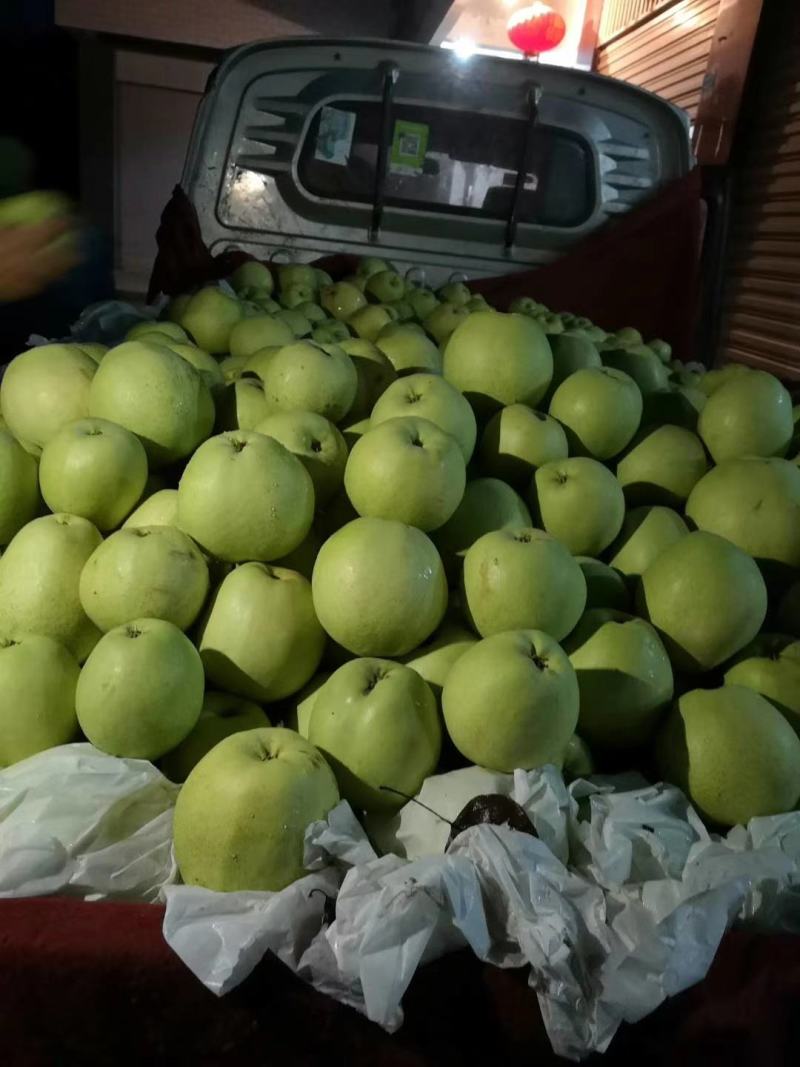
(31, 258)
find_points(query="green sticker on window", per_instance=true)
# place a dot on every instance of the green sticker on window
(409, 145)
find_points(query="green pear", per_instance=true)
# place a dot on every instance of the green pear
(242, 405)
(706, 598)
(374, 372)
(315, 314)
(377, 724)
(645, 533)
(331, 332)
(221, 716)
(19, 487)
(296, 274)
(252, 275)
(443, 320)
(771, 666)
(434, 658)
(663, 349)
(571, 353)
(316, 442)
(342, 300)
(580, 502)
(295, 320)
(233, 367)
(155, 394)
(368, 321)
(260, 331)
(95, 469)
(141, 690)
(383, 286)
(487, 504)
(209, 318)
(627, 336)
(662, 466)
(369, 265)
(243, 496)
(257, 362)
(522, 579)
(713, 379)
(160, 509)
(42, 390)
(404, 312)
(511, 701)
(600, 409)
(208, 367)
(624, 678)
(38, 677)
(430, 397)
(261, 638)
(454, 293)
(379, 587)
(408, 349)
(39, 582)
(297, 294)
(170, 329)
(517, 440)
(732, 753)
(406, 469)
(605, 587)
(755, 503)
(749, 415)
(422, 300)
(525, 305)
(153, 572)
(241, 817)
(309, 377)
(497, 359)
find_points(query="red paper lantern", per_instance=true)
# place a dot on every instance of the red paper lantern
(536, 28)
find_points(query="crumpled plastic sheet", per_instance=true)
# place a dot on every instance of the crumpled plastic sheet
(619, 902)
(76, 821)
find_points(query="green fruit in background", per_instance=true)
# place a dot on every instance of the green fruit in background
(732, 753)
(311, 377)
(296, 294)
(42, 390)
(404, 312)
(208, 367)
(551, 324)
(522, 579)
(38, 677)
(322, 277)
(317, 444)
(295, 320)
(260, 331)
(261, 638)
(627, 336)
(209, 318)
(706, 598)
(770, 665)
(19, 487)
(34, 207)
(141, 690)
(383, 286)
(342, 299)
(455, 293)
(160, 509)
(233, 367)
(95, 469)
(242, 405)
(662, 466)
(408, 349)
(244, 497)
(241, 817)
(443, 320)
(296, 274)
(379, 587)
(313, 312)
(749, 415)
(422, 300)
(570, 354)
(713, 379)
(517, 440)
(641, 364)
(155, 394)
(377, 725)
(600, 409)
(429, 397)
(406, 469)
(368, 322)
(252, 275)
(221, 716)
(645, 533)
(434, 658)
(663, 349)
(755, 503)
(256, 364)
(624, 678)
(487, 504)
(496, 359)
(374, 372)
(580, 502)
(605, 587)
(39, 577)
(369, 265)
(149, 326)
(144, 572)
(331, 332)
(511, 701)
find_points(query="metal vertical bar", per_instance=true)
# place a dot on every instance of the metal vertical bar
(534, 95)
(390, 77)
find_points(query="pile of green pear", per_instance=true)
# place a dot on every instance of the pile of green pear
(300, 540)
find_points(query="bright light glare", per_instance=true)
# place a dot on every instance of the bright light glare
(464, 47)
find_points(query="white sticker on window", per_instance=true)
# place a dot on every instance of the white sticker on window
(335, 136)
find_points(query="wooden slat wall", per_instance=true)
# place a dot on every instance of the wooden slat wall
(762, 302)
(665, 51)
